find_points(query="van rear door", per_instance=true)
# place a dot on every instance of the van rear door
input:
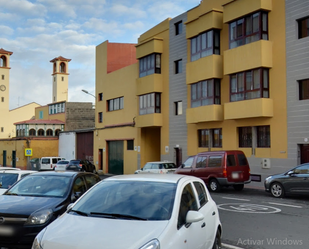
(237, 167)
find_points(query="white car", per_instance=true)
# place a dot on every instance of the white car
(162, 167)
(9, 168)
(9, 177)
(62, 165)
(157, 211)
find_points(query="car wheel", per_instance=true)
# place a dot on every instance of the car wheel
(238, 187)
(214, 186)
(217, 242)
(276, 189)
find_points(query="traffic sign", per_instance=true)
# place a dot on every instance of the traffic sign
(28, 152)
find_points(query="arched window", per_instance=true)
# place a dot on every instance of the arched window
(32, 132)
(57, 132)
(49, 132)
(62, 67)
(55, 67)
(3, 61)
(41, 132)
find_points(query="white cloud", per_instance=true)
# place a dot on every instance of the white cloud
(5, 30)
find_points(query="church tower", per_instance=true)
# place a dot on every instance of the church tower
(60, 79)
(4, 92)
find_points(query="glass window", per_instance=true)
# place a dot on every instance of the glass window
(263, 136)
(100, 117)
(205, 92)
(201, 162)
(215, 161)
(245, 137)
(150, 64)
(130, 144)
(150, 103)
(201, 192)
(115, 104)
(188, 163)
(230, 160)
(178, 108)
(303, 28)
(178, 28)
(242, 160)
(178, 66)
(303, 89)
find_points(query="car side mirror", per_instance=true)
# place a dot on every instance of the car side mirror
(194, 216)
(69, 206)
(291, 173)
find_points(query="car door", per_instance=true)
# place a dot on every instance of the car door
(193, 233)
(298, 181)
(186, 167)
(200, 169)
(147, 168)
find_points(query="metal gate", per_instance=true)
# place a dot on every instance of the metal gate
(115, 157)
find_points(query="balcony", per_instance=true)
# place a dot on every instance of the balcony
(236, 9)
(154, 45)
(205, 113)
(253, 108)
(253, 55)
(207, 21)
(204, 68)
(149, 120)
(149, 84)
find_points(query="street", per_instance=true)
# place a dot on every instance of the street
(253, 219)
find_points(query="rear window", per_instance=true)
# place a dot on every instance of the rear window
(55, 160)
(230, 160)
(215, 161)
(74, 162)
(45, 160)
(242, 160)
(170, 166)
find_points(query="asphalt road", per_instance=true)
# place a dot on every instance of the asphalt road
(253, 219)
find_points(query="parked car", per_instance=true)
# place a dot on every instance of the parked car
(9, 177)
(293, 181)
(49, 163)
(81, 165)
(148, 210)
(9, 168)
(218, 169)
(37, 200)
(162, 167)
(62, 165)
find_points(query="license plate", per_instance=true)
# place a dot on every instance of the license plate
(235, 175)
(6, 231)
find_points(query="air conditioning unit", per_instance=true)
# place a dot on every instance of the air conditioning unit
(265, 163)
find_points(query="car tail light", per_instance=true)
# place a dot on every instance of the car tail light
(80, 165)
(224, 173)
(51, 166)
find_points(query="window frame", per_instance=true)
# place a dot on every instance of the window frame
(206, 138)
(178, 66)
(149, 104)
(178, 28)
(150, 64)
(100, 117)
(263, 136)
(100, 97)
(303, 89)
(245, 137)
(178, 108)
(115, 104)
(303, 27)
(130, 144)
(200, 93)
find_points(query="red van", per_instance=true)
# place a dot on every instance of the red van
(218, 168)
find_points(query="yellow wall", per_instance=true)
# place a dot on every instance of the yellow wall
(45, 111)
(274, 58)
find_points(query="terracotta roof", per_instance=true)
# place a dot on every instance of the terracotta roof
(2, 51)
(60, 58)
(40, 121)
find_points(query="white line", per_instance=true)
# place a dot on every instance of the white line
(235, 199)
(282, 204)
(230, 246)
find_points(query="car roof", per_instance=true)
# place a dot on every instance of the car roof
(172, 178)
(21, 172)
(160, 162)
(57, 173)
(8, 168)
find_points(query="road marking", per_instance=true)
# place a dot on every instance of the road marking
(287, 205)
(235, 199)
(230, 246)
(248, 208)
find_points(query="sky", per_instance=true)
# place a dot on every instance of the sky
(37, 31)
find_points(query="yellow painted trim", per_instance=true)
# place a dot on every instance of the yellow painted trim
(204, 68)
(253, 108)
(204, 114)
(149, 120)
(149, 84)
(253, 55)
(155, 45)
(239, 8)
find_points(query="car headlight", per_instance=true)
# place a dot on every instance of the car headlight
(38, 239)
(267, 178)
(39, 217)
(153, 244)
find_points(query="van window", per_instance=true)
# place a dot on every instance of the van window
(55, 160)
(242, 160)
(188, 162)
(230, 160)
(45, 160)
(201, 162)
(215, 161)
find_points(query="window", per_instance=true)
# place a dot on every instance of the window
(303, 27)
(178, 108)
(205, 92)
(303, 89)
(100, 96)
(41, 132)
(32, 132)
(62, 78)
(2, 129)
(3, 76)
(215, 161)
(49, 132)
(242, 160)
(2, 99)
(41, 115)
(115, 104)
(263, 136)
(249, 85)
(201, 193)
(2, 61)
(230, 160)
(178, 66)
(150, 103)
(178, 28)
(188, 163)
(210, 138)
(201, 162)
(62, 67)
(56, 108)
(245, 137)
(130, 144)
(100, 118)
(150, 64)
(249, 29)
(205, 44)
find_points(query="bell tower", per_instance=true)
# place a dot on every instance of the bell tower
(60, 79)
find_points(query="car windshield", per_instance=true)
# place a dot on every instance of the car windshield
(42, 186)
(142, 200)
(7, 180)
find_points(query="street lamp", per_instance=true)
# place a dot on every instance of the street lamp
(85, 91)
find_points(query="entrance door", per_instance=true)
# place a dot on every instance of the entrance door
(304, 153)
(115, 157)
(178, 154)
(14, 159)
(100, 159)
(4, 158)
